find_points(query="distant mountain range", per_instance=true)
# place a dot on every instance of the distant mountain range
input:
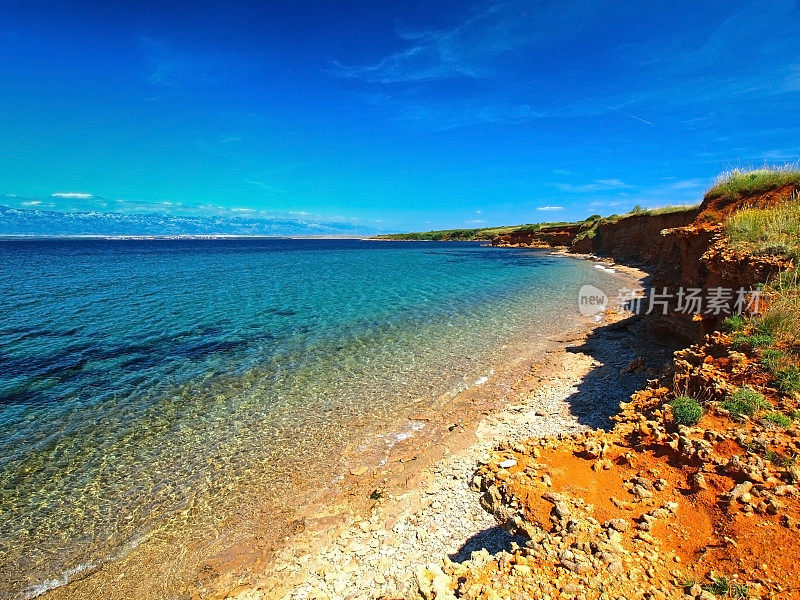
(16, 221)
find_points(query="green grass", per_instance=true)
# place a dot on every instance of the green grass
(686, 410)
(740, 183)
(778, 459)
(723, 586)
(778, 419)
(752, 340)
(745, 402)
(766, 231)
(734, 323)
(788, 379)
(588, 227)
(480, 233)
(772, 359)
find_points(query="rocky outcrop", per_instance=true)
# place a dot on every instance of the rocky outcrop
(652, 509)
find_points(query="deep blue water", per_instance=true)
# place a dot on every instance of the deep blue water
(130, 371)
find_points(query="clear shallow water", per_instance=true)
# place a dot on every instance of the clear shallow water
(145, 384)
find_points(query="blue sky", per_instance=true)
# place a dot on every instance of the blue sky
(390, 115)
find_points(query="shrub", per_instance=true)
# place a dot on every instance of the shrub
(745, 401)
(686, 410)
(778, 419)
(734, 323)
(788, 379)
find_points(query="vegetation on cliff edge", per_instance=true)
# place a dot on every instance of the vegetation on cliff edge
(739, 183)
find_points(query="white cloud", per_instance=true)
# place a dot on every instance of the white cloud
(475, 222)
(550, 208)
(73, 195)
(32, 203)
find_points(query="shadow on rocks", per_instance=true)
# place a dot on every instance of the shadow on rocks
(627, 355)
(493, 540)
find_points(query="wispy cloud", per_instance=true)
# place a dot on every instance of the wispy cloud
(31, 203)
(461, 113)
(169, 64)
(550, 208)
(73, 195)
(469, 48)
(598, 185)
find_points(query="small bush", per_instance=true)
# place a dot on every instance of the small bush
(686, 410)
(788, 379)
(734, 323)
(795, 414)
(745, 401)
(778, 419)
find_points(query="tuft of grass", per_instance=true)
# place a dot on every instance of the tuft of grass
(788, 379)
(752, 340)
(778, 459)
(719, 586)
(734, 323)
(772, 359)
(740, 183)
(745, 402)
(689, 583)
(779, 419)
(723, 586)
(795, 414)
(686, 410)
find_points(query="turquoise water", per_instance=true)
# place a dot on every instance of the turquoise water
(144, 381)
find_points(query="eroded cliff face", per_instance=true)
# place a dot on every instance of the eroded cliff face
(680, 250)
(633, 239)
(546, 237)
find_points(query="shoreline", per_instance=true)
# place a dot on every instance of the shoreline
(419, 442)
(370, 540)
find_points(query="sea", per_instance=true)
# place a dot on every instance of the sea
(151, 387)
